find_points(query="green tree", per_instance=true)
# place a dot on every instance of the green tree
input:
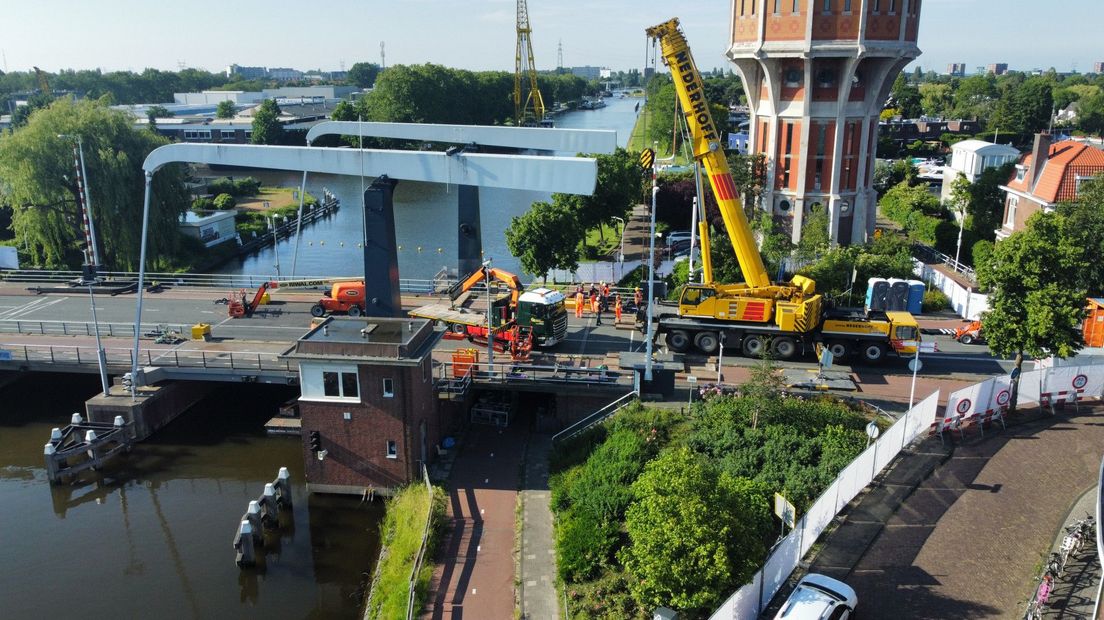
(620, 181)
(814, 236)
(155, 112)
(986, 204)
(363, 74)
(906, 97)
(40, 188)
(695, 533)
(222, 202)
(1036, 292)
(1090, 113)
(546, 237)
(936, 99)
(226, 109)
(266, 123)
(974, 97)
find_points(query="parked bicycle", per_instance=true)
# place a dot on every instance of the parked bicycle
(1054, 565)
(1037, 606)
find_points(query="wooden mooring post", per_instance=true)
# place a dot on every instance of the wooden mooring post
(262, 514)
(84, 445)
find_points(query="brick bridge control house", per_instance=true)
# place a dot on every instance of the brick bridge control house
(367, 390)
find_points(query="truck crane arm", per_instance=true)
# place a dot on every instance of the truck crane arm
(707, 149)
(511, 281)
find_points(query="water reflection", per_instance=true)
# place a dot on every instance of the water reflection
(152, 535)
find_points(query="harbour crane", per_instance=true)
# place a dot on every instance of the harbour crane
(528, 103)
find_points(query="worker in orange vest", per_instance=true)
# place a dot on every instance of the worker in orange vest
(638, 297)
(580, 301)
(617, 308)
(596, 306)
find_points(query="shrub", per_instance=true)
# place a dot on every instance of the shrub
(934, 301)
(237, 188)
(602, 488)
(223, 202)
(605, 598)
(202, 204)
(584, 544)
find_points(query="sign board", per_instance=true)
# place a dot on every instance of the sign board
(647, 158)
(5, 356)
(9, 257)
(826, 359)
(927, 347)
(784, 510)
(872, 430)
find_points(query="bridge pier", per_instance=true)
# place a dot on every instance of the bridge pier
(151, 409)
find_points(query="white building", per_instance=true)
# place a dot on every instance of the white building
(211, 228)
(971, 157)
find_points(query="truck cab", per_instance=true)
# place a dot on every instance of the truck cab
(544, 311)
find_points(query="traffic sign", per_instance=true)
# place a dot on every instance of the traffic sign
(785, 510)
(927, 347)
(915, 365)
(647, 158)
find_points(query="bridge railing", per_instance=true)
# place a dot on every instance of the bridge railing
(513, 372)
(123, 357)
(81, 328)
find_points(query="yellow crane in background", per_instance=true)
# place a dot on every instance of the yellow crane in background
(528, 103)
(43, 83)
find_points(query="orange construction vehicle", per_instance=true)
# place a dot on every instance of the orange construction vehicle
(520, 319)
(346, 296)
(969, 333)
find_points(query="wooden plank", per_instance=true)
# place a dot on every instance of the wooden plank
(439, 312)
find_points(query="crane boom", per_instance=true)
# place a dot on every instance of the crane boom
(528, 103)
(706, 143)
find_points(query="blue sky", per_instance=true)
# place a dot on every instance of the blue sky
(479, 34)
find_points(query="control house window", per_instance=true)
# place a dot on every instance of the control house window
(329, 382)
(388, 388)
(392, 449)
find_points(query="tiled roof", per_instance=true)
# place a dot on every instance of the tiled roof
(1068, 160)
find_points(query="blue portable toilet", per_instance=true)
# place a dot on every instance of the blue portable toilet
(916, 296)
(876, 290)
(897, 297)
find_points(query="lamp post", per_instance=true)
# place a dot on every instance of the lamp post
(275, 244)
(621, 256)
(490, 319)
(651, 281)
(91, 255)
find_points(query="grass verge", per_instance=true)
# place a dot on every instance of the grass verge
(403, 524)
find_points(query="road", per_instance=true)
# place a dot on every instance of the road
(288, 317)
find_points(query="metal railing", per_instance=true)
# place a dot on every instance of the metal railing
(80, 328)
(513, 372)
(932, 255)
(420, 556)
(595, 418)
(163, 358)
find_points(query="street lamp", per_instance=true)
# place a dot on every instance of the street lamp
(91, 255)
(621, 256)
(490, 319)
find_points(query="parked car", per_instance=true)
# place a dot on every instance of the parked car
(819, 597)
(676, 236)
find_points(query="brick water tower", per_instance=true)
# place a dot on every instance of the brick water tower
(816, 74)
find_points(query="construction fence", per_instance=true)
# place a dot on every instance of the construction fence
(975, 405)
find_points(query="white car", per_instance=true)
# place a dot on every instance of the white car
(818, 597)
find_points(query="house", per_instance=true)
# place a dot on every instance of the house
(369, 411)
(1052, 173)
(971, 157)
(211, 228)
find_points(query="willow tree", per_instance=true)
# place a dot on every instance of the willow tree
(39, 185)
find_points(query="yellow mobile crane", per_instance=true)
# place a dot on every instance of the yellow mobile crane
(757, 313)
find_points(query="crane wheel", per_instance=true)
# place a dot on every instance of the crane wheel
(678, 341)
(707, 342)
(317, 310)
(839, 350)
(966, 339)
(354, 310)
(783, 347)
(459, 328)
(873, 352)
(754, 346)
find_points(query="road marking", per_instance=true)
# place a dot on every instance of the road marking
(34, 306)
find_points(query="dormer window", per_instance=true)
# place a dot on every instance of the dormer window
(1021, 172)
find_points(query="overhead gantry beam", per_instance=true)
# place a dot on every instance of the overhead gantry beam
(568, 175)
(539, 138)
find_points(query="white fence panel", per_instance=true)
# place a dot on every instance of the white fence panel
(819, 516)
(1030, 386)
(889, 444)
(919, 419)
(854, 478)
(779, 566)
(743, 604)
(965, 301)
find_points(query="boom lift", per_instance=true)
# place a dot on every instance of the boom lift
(520, 319)
(756, 313)
(346, 295)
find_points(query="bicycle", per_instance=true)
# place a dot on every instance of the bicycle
(1054, 565)
(1039, 602)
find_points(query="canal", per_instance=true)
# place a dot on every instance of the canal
(425, 216)
(152, 537)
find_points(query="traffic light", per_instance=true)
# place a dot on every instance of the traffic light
(315, 442)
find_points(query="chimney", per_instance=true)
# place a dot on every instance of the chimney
(1039, 154)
